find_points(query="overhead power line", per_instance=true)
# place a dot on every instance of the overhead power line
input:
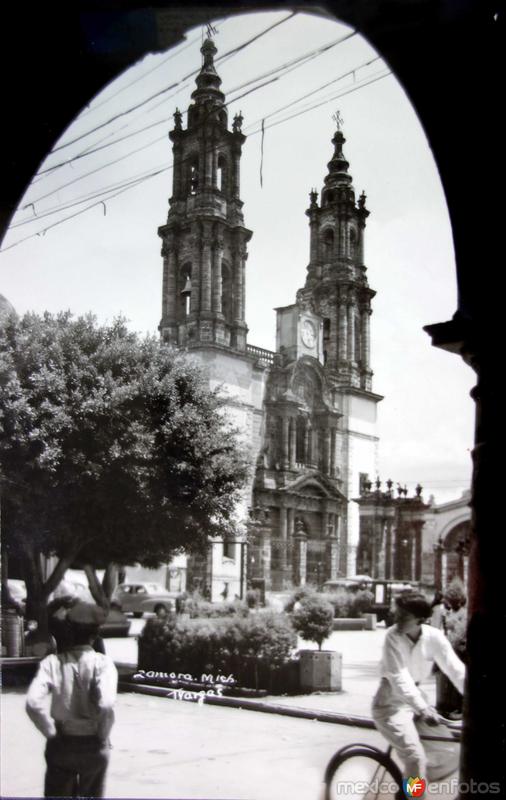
(133, 183)
(141, 77)
(78, 213)
(285, 68)
(234, 50)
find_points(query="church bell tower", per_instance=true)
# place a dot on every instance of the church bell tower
(336, 285)
(204, 239)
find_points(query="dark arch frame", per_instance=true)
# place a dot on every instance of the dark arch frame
(444, 53)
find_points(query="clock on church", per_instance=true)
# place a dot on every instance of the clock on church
(308, 333)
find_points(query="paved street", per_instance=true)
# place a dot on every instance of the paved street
(172, 749)
(176, 749)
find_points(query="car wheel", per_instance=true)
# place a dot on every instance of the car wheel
(160, 607)
(137, 614)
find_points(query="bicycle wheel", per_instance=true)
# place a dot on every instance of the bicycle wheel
(361, 772)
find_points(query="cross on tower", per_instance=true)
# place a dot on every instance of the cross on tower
(338, 120)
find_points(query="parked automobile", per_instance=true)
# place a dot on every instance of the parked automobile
(384, 591)
(116, 623)
(138, 598)
(17, 590)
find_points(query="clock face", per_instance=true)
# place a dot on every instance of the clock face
(308, 333)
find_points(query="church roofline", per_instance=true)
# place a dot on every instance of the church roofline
(360, 393)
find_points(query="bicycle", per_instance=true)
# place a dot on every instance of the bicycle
(371, 771)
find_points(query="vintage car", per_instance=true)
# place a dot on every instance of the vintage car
(384, 591)
(138, 598)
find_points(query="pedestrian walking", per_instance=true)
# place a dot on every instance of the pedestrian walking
(80, 685)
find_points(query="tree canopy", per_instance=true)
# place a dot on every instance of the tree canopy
(113, 447)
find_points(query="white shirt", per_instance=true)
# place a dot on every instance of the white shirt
(82, 685)
(405, 663)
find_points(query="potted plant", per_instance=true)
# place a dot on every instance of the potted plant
(319, 669)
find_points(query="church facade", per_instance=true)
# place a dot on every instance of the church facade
(306, 411)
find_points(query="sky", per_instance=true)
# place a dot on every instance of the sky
(107, 259)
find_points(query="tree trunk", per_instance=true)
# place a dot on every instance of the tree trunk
(110, 580)
(96, 589)
(36, 598)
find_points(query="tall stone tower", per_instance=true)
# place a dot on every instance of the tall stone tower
(336, 283)
(320, 439)
(306, 412)
(203, 291)
(338, 291)
(204, 239)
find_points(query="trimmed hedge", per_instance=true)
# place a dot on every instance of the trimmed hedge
(345, 603)
(197, 607)
(255, 649)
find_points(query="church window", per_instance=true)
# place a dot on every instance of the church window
(222, 174)
(228, 549)
(194, 174)
(328, 244)
(185, 291)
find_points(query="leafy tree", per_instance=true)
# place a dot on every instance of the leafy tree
(113, 450)
(314, 619)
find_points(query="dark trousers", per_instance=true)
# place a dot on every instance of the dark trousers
(76, 766)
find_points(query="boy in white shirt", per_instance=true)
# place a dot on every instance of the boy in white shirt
(81, 685)
(400, 709)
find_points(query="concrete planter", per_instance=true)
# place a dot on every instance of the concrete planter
(370, 621)
(349, 624)
(321, 670)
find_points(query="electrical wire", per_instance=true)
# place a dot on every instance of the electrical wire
(167, 168)
(77, 213)
(234, 51)
(286, 68)
(140, 77)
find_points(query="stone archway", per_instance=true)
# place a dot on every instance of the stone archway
(455, 553)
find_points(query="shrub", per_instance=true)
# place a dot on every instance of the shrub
(253, 598)
(340, 601)
(302, 593)
(249, 648)
(313, 620)
(197, 607)
(362, 601)
(455, 594)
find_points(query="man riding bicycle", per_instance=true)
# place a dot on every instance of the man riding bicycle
(400, 709)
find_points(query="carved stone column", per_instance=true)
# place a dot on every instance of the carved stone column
(300, 559)
(315, 456)
(292, 433)
(209, 155)
(388, 548)
(206, 273)
(351, 331)
(283, 536)
(285, 442)
(343, 330)
(365, 338)
(307, 432)
(217, 277)
(327, 452)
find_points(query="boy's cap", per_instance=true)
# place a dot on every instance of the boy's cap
(86, 614)
(65, 589)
